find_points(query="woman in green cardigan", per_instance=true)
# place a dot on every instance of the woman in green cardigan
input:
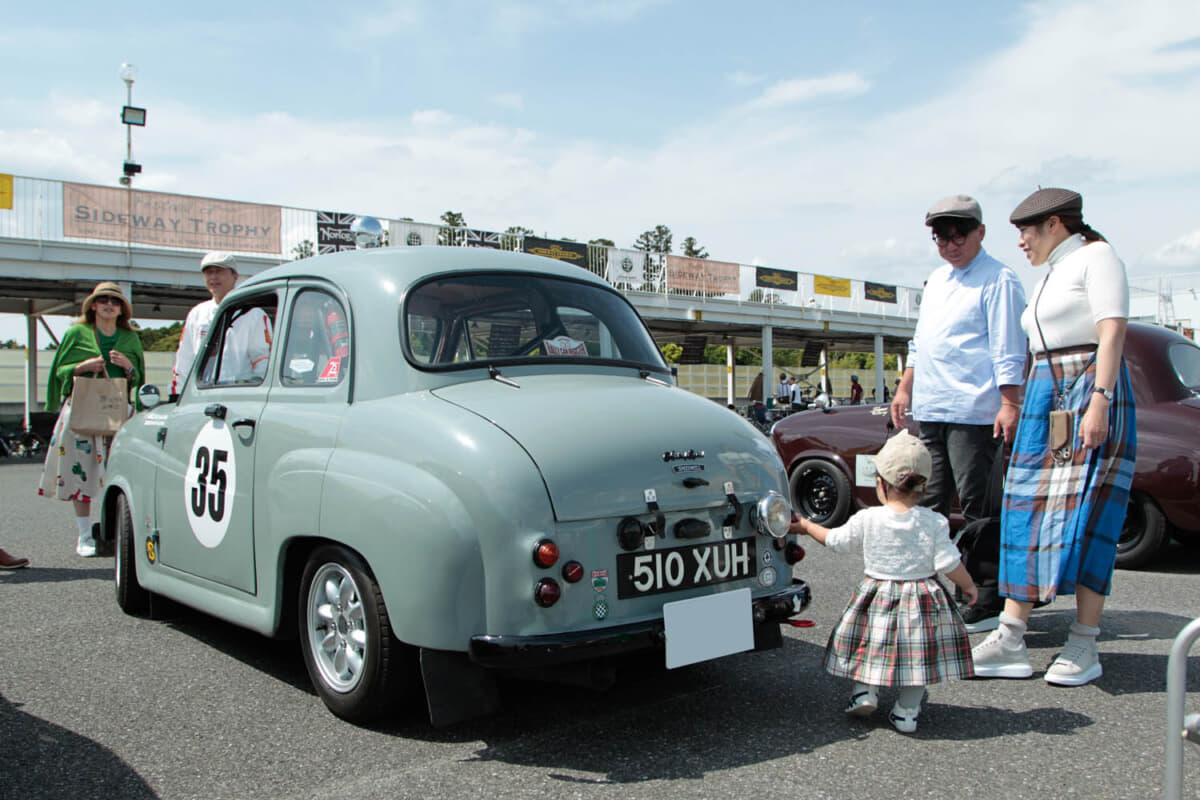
(101, 343)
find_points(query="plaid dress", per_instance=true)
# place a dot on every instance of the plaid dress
(899, 632)
(1060, 522)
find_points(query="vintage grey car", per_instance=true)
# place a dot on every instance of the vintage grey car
(456, 463)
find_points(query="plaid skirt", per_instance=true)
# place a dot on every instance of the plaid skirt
(899, 633)
(1061, 521)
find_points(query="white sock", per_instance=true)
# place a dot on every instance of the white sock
(85, 528)
(910, 697)
(1084, 634)
(1012, 630)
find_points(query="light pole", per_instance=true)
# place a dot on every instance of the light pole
(130, 115)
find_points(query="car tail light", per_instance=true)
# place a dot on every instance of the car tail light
(545, 554)
(572, 571)
(793, 553)
(546, 592)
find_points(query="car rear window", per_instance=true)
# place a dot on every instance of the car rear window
(1185, 360)
(467, 320)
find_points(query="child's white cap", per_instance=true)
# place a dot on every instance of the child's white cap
(903, 455)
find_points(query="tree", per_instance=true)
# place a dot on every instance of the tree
(654, 241)
(303, 250)
(671, 352)
(10, 344)
(692, 249)
(452, 219)
(161, 340)
(602, 242)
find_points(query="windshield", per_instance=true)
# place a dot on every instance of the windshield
(469, 320)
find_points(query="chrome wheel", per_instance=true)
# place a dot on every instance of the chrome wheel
(336, 625)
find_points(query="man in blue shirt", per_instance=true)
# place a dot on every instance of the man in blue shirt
(964, 373)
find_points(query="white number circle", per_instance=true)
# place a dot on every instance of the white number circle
(210, 483)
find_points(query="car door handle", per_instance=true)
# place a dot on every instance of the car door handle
(245, 421)
(216, 411)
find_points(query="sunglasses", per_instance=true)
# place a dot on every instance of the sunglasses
(112, 301)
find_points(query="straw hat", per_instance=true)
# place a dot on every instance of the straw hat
(107, 289)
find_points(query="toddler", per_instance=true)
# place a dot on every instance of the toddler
(901, 628)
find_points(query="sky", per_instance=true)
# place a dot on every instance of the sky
(794, 134)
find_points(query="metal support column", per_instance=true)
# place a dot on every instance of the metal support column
(879, 376)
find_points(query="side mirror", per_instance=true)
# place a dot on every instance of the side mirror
(149, 396)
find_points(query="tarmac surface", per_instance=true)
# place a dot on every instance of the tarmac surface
(96, 704)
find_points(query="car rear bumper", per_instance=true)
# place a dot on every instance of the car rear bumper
(518, 652)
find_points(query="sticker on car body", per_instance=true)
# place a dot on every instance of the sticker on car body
(210, 483)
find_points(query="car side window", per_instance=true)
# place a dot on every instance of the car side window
(317, 349)
(239, 348)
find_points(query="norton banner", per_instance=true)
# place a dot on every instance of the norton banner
(879, 292)
(778, 279)
(836, 287)
(170, 220)
(571, 252)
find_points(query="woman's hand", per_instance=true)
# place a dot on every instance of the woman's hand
(1093, 428)
(96, 365)
(121, 360)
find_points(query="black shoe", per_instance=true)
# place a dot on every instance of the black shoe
(980, 620)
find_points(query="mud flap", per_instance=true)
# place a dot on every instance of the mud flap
(456, 688)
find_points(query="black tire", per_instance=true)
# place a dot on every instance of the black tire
(131, 597)
(358, 667)
(1144, 534)
(821, 492)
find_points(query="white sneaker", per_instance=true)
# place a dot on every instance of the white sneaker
(1077, 664)
(904, 719)
(86, 547)
(863, 704)
(994, 659)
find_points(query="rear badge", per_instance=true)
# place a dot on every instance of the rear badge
(599, 579)
(600, 608)
(767, 577)
(151, 553)
(688, 468)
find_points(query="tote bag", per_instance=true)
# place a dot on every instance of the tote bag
(98, 406)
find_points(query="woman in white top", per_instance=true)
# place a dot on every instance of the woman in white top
(1068, 480)
(901, 628)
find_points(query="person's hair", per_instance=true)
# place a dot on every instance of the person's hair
(1074, 224)
(911, 484)
(89, 317)
(946, 227)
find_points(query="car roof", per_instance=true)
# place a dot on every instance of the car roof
(362, 270)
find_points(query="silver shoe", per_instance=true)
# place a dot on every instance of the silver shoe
(994, 659)
(1077, 664)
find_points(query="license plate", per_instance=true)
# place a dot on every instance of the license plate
(708, 627)
(670, 570)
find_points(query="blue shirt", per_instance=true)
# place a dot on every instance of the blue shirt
(968, 342)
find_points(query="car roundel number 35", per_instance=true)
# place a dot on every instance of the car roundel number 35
(210, 484)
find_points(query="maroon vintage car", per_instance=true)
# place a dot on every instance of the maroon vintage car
(829, 454)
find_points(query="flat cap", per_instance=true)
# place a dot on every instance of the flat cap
(956, 205)
(218, 259)
(1046, 202)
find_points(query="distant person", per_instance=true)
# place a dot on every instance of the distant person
(856, 391)
(901, 628)
(101, 343)
(248, 343)
(1065, 500)
(9, 561)
(963, 380)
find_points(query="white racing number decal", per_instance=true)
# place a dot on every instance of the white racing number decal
(684, 567)
(210, 483)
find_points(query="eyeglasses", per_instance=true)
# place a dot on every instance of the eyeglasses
(114, 301)
(945, 241)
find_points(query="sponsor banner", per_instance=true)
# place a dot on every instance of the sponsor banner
(879, 292)
(169, 220)
(777, 279)
(626, 266)
(474, 238)
(837, 287)
(6, 191)
(571, 252)
(406, 233)
(333, 232)
(702, 275)
(914, 301)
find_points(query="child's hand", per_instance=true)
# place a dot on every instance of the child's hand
(971, 593)
(797, 525)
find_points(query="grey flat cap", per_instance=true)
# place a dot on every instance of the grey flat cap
(218, 259)
(1046, 202)
(956, 205)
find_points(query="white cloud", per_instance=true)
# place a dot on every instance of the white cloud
(800, 90)
(513, 100)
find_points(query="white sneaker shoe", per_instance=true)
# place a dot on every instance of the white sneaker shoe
(994, 659)
(1077, 664)
(863, 704)
(86, 547)
(904, 719)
